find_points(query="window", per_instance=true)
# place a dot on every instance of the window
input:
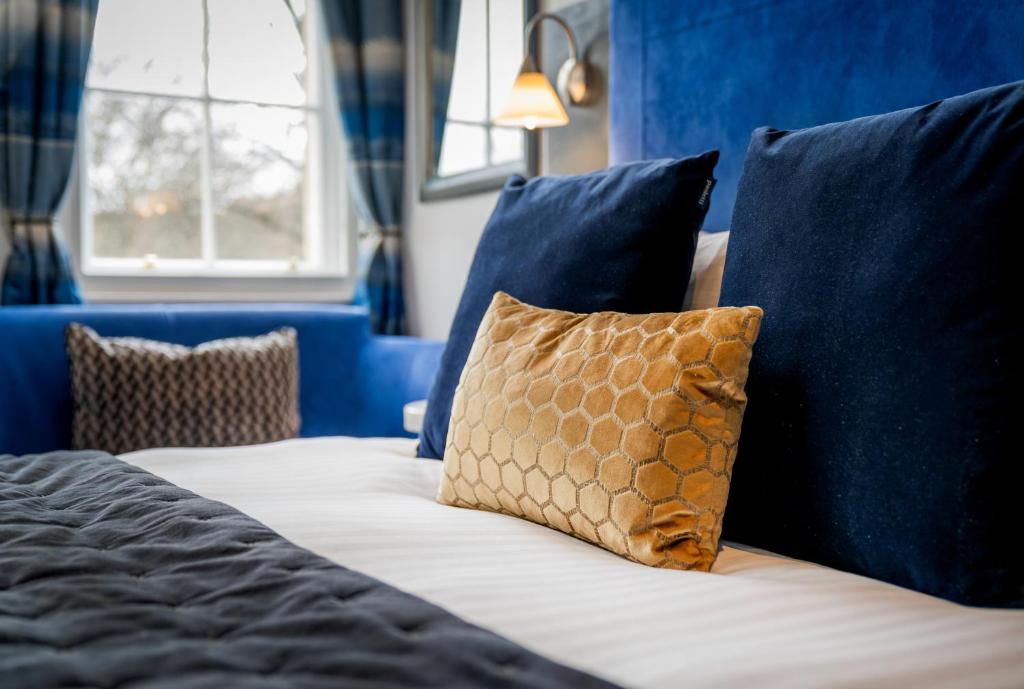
(210, 147)
(476, 154)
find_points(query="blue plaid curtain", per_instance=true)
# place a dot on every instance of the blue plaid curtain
(44, 51)
(444, 35)
(369, 64)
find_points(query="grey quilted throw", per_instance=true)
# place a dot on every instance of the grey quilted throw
(112, 577)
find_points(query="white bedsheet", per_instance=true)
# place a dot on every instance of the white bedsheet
(758, 621)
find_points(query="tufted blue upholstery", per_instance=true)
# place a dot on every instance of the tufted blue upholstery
(351, 383)
(689, 75)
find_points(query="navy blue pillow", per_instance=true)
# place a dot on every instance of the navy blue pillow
(881, 432)
(620, 239)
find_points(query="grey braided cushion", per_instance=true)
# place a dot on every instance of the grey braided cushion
(130, 393)
(111, 577)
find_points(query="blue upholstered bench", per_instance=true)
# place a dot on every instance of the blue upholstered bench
(351, 382)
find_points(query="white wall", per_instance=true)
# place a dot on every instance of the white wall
(440, 237)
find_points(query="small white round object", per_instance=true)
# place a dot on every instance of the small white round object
(412, 416)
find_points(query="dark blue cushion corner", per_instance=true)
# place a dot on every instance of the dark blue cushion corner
(619, 239)
(880, 435)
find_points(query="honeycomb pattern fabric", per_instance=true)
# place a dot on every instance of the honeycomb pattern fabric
(131, 394)
(618, 429)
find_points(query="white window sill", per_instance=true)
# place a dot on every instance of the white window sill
(219, 274)
(155, 288)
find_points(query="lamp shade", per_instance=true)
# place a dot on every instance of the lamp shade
(533, 102)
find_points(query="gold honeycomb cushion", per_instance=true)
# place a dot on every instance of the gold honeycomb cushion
(618, 429)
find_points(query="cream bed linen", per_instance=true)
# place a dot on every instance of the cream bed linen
(758, 621)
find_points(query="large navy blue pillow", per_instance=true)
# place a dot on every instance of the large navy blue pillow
(620, 239)
(881, 435)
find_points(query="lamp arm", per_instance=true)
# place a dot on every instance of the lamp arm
(540, 16)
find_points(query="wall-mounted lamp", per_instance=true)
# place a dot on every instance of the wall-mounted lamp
(533, 102)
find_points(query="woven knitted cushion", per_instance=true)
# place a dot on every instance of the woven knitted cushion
(618, 429)
(130, 393)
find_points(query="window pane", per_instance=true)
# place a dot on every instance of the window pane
(467, 100)
(506, 145)
(143, 173)
(464, 148)
(506, 49)
(257, 51)
(154, 46)
(259, 161)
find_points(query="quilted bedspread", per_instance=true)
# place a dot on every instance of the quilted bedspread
(112, 577)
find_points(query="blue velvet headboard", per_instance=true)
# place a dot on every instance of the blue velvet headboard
(690, 75)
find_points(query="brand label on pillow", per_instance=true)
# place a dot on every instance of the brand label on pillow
(702, 202)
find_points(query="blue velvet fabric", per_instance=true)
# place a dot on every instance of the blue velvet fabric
(881, 432)
(351, 382)
(691, 74)
(620, 239)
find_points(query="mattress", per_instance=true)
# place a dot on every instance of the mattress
(757, 620)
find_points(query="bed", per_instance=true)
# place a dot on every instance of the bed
(759, 620)
(361, 511)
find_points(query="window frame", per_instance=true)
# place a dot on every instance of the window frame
(433, 186)
(329, 226)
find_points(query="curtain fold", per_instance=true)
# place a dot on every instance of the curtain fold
(444, 37)
(368, 53)
(44, 52)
